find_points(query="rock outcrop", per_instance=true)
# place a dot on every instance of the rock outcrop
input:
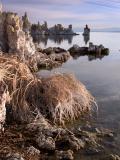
(58, 29)
(98, 50)
(26, 23)
(86, 30)
(12, 37)
(48, 58)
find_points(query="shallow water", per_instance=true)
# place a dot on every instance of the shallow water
(101, 76)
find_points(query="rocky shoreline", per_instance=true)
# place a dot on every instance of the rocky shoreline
(14, 41)
(54, 56)
(34, 110)
(41, 140)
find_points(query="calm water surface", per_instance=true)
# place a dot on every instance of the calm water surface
(101, 76)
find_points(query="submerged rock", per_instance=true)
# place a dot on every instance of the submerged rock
(70, 142)
(111, 157)
(64, 155)
(93, 151)
(15, 156)
(46, 143)
(33, 151)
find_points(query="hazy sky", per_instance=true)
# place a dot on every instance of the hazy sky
(96, 13)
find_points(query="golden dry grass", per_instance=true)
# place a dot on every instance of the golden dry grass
(59, 98)
(2, 73)
(64, 98)
(17, 76)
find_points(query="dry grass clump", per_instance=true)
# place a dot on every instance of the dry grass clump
(59, 97)
(62, 97)
(4, 96)
(3, 73)
(18, 77)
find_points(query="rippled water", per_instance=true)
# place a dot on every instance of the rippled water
(101, 76)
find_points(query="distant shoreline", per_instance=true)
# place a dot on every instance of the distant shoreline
(74, 34)
(101, 31)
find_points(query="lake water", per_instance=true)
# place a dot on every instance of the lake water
(101, 76)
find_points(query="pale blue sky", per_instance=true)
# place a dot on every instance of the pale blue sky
(96, 13)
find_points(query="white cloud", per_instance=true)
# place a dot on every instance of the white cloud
(101, 18)
(56, 14)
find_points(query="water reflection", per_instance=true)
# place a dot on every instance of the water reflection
(102, 78)
(96, 56)
(58, 39)
(86, 38)
(91, 57)
(62, 40)
(40, 39)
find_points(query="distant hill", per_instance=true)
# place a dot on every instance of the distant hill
(99, 30)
